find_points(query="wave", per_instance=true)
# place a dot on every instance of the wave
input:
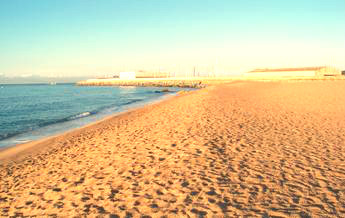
(131, 101)
(35, 116)
(43, 124)
(46, 123)
(81, 115)
(8, 135)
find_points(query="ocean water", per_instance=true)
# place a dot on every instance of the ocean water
(30, 112)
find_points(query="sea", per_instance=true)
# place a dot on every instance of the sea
(34, 111)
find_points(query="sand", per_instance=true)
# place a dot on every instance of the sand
(254, 149)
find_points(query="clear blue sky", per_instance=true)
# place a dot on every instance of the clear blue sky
(70, 37)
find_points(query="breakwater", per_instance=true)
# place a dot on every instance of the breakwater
(161, 82)
(196, 82)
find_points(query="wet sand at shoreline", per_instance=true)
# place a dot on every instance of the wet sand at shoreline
(256, 149)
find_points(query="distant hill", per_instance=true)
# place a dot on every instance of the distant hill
(39, 79)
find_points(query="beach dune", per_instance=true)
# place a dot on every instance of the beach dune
(255, 149)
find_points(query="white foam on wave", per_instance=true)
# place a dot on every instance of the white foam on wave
(85, 114)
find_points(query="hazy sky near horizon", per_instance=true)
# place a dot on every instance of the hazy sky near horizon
(87, 37)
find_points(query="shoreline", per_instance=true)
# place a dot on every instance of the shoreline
(21, 150)
(7, 153)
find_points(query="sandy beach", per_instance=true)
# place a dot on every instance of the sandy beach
(254, 149)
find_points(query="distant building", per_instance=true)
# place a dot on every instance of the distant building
(151, 74)
(127, 75)
(294, 72)
(343, 72)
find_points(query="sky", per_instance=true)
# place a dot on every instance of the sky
(88, 37)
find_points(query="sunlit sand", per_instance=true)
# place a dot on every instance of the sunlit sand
(260, 149)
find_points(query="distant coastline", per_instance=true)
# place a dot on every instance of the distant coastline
(195, 82)
(35, 79)
(181, 82)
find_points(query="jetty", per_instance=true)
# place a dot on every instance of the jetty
(193, 82)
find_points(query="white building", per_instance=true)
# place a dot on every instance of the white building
(127, 75)
(294, 72)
